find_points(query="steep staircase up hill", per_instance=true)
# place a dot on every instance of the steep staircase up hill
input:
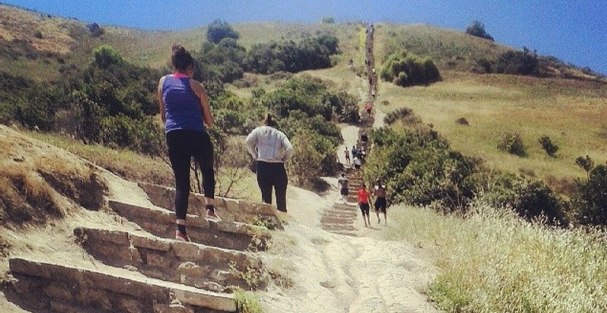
(147, 270)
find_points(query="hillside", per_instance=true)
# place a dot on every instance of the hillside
(568, 105)
(78, 229)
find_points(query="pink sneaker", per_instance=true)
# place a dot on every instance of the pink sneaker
(211, 214)
(181, 236)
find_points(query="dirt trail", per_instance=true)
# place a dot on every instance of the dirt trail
(358, 273)
(336, 273)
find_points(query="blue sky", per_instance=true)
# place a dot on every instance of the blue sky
(574, 31)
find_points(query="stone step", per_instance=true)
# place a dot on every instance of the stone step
(345, 233)
(345, 207)
(188, 263)
(339, 213)
(336, 220)
(45, 286)
(229, 209)
(229, 235)
(332, 227)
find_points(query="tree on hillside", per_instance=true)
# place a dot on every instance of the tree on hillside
(477, 29)
(219, 30)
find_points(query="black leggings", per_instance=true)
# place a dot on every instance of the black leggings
(183, 145)
(273, 175)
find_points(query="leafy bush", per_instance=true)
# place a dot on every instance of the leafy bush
(401, 114)
(548, 146)
(591, 198)
(419, 168)
(224, 59)
(343, 105)
(142, 136)
(105, 55)
(478, 29)
(536, 200)
(306, 160)
(95, 30)
(517, 63)
(586, 163)
(409, 70)
(462, 121)
(513, 144)
(310, 95)
(291, 56)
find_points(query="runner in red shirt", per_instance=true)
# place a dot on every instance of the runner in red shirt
(363, 203)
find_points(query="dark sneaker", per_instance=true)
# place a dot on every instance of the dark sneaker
(181, 236)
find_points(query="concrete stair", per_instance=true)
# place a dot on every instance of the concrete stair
(192, 264)
(147, 270)
(230, 210)
(44, 286)
(229, 235)
(339, 219)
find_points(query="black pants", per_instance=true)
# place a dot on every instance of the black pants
(273, 175)
(183, 145)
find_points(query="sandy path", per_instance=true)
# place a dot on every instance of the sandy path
(334, 273)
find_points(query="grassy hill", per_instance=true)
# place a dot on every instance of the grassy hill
(572, 112)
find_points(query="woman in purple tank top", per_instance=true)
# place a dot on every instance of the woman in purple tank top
(185, 110)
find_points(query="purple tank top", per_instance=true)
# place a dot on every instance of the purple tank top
(181, 105)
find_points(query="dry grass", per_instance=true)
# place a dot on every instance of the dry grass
(492, 261)
(40, 182)
(125, 163)
(569, 112)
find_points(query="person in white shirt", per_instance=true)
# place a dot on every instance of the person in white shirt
(271, 149)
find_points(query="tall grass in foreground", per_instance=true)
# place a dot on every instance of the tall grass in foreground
(493, 261)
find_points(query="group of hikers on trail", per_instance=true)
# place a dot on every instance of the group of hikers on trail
(380, 204)
(186, 115)
(364, 196)
(185, 112)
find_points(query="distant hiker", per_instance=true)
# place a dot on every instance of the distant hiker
(354, 152)
(379, 191)
(357, 162)
(369, 108)
(347, 153)
(363, 203)
(271, 149)
(342, 183)
(185, 110)
(364, 139)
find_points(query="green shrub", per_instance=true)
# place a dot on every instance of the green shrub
(409, 70)
(401, 114)
(462, 121)
(513, 144)
(105, 55)
(536, 200)
(419, 168)
(517, 63)
(586, 163)
(305, 163)
(591, 198)
(247, 302)
(548, 146)
(290, 56)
